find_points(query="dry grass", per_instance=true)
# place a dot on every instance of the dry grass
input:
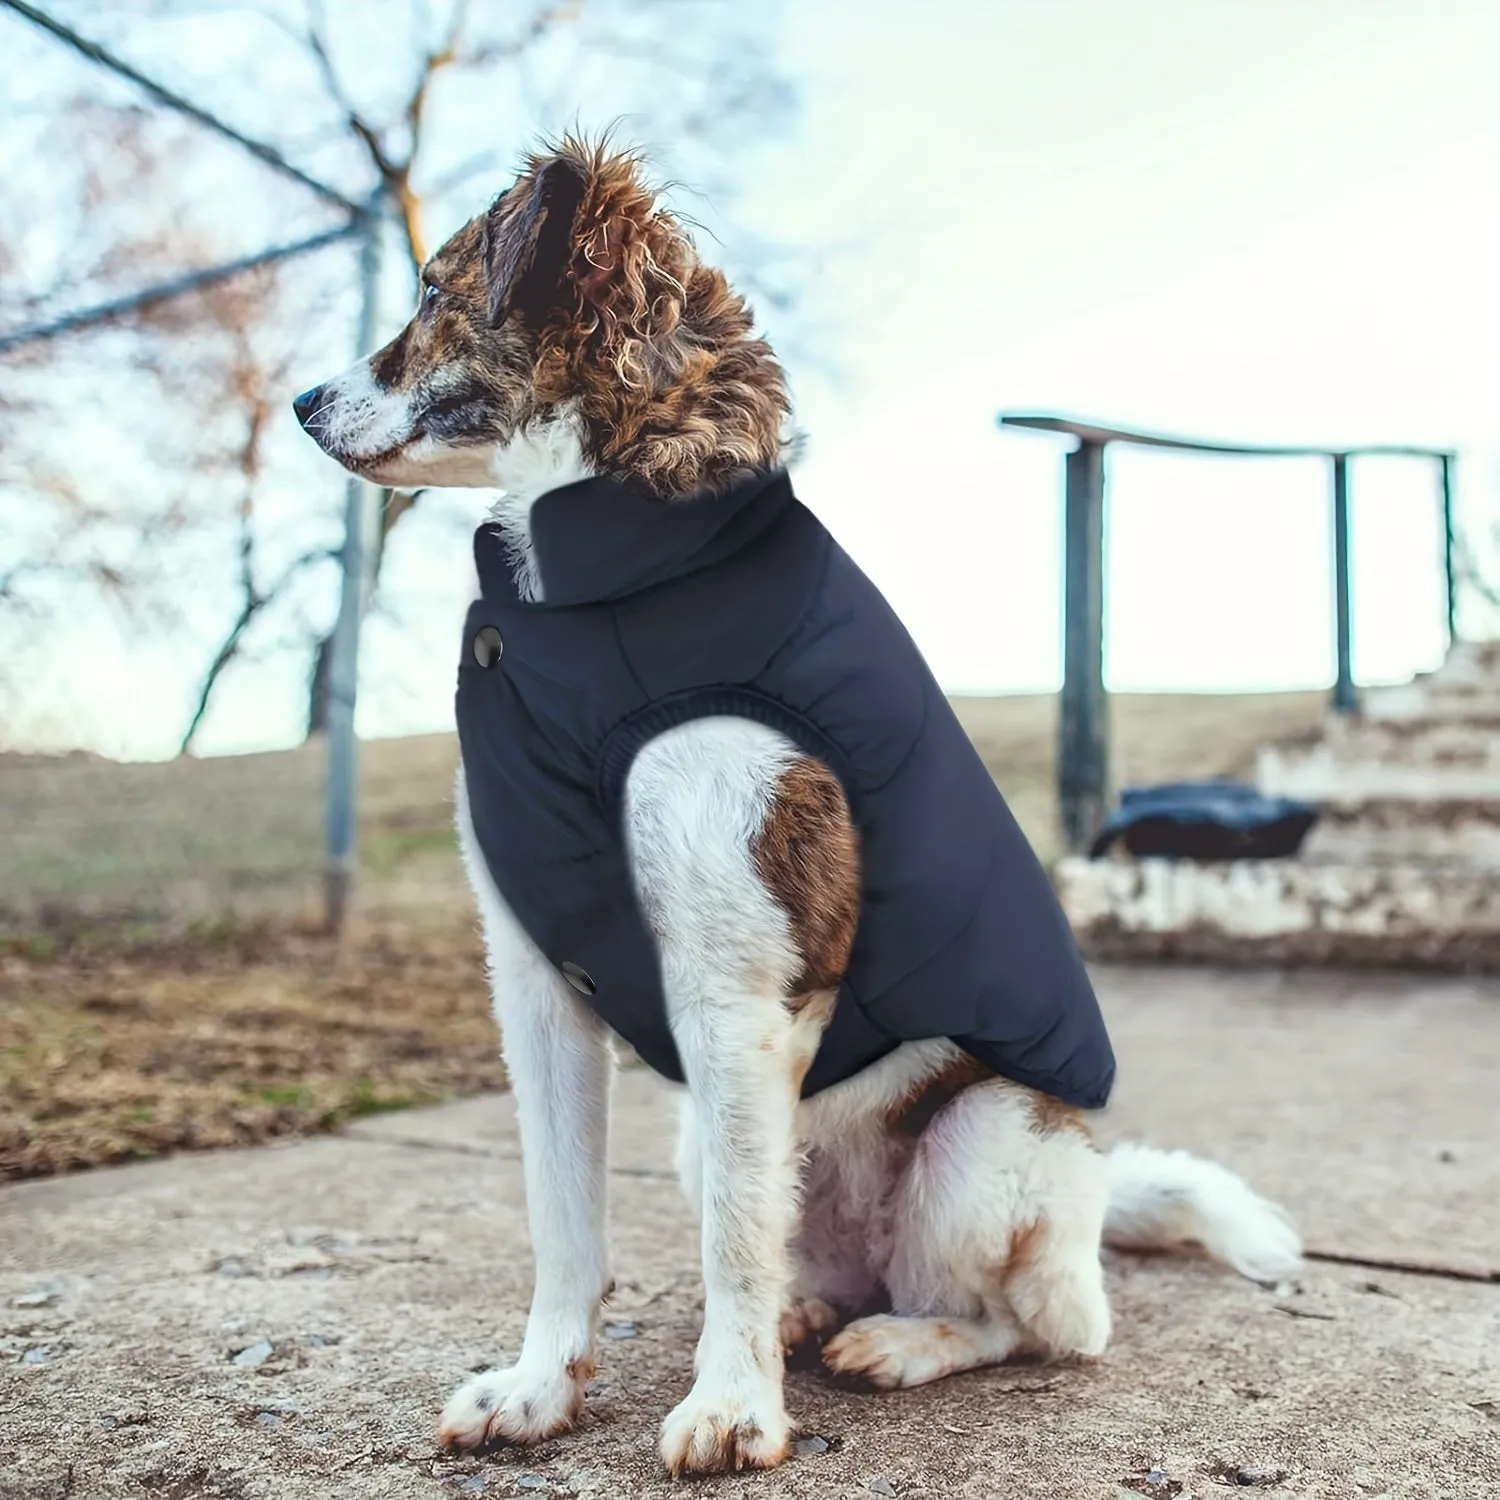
(113, 1056)
(160, 987)
(191, 842)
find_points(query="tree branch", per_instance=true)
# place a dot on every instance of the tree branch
(193, 281)
(105, 59)
(255, 603)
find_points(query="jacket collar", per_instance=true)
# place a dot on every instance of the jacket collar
(600, 539)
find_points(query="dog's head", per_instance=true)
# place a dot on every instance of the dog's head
(575, 301)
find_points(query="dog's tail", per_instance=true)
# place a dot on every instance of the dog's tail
(1159, 1200)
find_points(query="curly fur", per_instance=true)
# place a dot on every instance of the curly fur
(576, 291)
(655, 346)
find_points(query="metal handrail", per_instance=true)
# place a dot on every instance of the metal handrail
(1083, 727)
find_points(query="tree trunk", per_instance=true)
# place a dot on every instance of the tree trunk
(393, 505)
(317, 689)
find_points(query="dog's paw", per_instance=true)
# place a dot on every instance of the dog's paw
(805, 1319)
(512, 1406)
(888, 1352)
(716, 1432)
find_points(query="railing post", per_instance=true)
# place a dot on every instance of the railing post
(1345, 700)
(1450, 583)
(1083, 720)
(362, 519)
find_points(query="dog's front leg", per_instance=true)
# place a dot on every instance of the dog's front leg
(558, 1057)
(736, 1052)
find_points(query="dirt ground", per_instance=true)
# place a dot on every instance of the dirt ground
(123, 1052)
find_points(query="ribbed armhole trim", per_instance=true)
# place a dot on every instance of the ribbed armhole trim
(627, 738)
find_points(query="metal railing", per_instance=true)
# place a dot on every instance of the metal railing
(1083, 722)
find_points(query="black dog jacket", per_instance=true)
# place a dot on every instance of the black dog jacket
(656, 614)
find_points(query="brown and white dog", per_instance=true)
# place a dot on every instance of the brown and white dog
(969, 1209)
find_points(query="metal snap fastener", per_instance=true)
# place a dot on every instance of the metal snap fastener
(578, 978)
(487, 646)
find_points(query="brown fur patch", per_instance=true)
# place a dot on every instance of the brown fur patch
(655, 345)
(729, 1448)
(581, 1369)
(914, 1112)
(1025, 1246)
(805, 1319)
(807, 855)
(813, 1010)
(1051, 1116)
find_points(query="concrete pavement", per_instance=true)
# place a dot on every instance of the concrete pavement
(287, 1321)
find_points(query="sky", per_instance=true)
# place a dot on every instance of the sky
(1245, 220)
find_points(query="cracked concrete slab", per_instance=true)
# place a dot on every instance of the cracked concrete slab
(287, 1321)
(641, 1139)
(1365, 1102)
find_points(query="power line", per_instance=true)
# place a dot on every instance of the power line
(164, 291)
(163, 95)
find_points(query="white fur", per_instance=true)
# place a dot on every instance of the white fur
(984, 1232)
(542, 456)
(370, 429)
(982, 1228)
(1159, 1200)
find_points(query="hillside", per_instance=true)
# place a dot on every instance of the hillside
(196, 841)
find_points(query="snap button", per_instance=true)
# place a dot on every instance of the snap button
(578, 978)
(487, 646)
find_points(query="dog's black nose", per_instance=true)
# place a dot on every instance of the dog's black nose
(310, 403)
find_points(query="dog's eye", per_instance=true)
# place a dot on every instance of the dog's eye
(430, 294)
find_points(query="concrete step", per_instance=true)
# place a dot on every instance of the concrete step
(1407, 831)
(1426, 741)
(1285, 912)
(1364, 760)
(1413, 700)
(1466, 686)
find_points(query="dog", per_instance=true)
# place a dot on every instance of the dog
(925, 1216)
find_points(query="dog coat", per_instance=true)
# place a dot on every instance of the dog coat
(655, 614)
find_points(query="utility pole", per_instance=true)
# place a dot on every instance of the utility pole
(363, 504)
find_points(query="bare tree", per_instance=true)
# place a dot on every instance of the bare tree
(253, 386)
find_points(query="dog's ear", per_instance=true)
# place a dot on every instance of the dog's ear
(527, 251)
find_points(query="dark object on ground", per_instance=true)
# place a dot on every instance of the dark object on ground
(1207, 820)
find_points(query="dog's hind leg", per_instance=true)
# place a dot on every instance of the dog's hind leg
(995, 1247)
(889, 1351)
